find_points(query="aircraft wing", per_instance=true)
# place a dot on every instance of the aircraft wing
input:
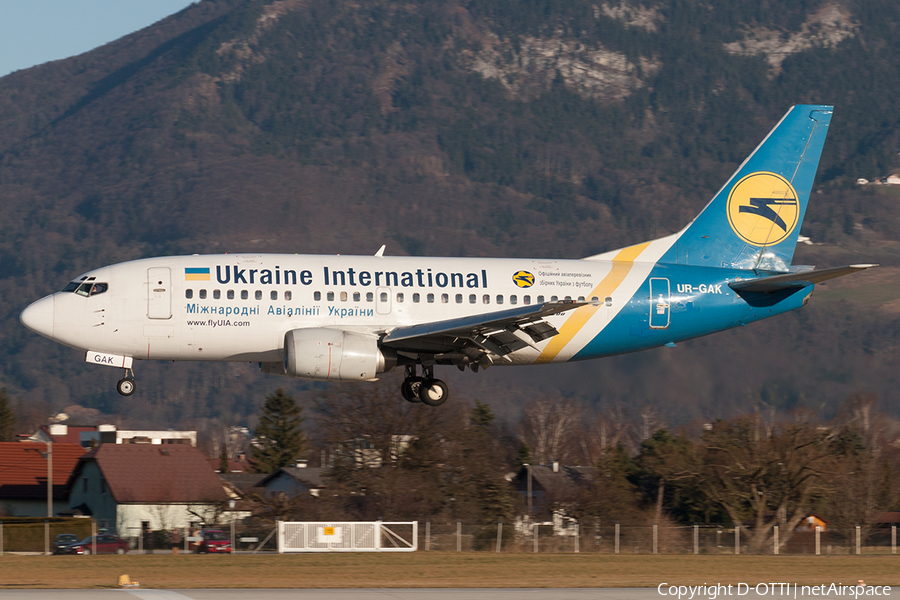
(500, 332)
(800, 279)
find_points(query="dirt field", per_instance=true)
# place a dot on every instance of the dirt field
(438, 569)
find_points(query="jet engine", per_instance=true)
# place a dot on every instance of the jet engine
(333, 354)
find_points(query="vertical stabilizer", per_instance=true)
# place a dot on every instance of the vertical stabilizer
(754, 220)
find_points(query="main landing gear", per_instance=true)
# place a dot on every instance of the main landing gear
(426, 389)
(126, 385)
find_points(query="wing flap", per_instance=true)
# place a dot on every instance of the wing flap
(777, 283)
(495, 332)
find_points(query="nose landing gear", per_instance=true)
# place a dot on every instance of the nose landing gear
(426, 389)
(126, 385)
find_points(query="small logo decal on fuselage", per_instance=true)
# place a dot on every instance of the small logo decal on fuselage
(763, 209)
(523, 279)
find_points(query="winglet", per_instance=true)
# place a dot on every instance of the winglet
(381, 250)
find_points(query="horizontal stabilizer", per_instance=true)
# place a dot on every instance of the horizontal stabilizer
(788, 281)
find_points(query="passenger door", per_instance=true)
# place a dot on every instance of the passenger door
(159, 293)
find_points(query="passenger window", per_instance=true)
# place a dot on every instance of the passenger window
(595, 299)
(288, 296)
(230, 294)
(384, 297)
(415, 297)
(513, 299)
(608, 301)
(399, 296)
(216, 294)
(499, 298)
(330, 296)
(459, 298)
(343, 296)
(356, 296)
(568, 298)
(317, 296)
(273, 295)
(445, 298)
(203, 294)
(581, 298)
(472, 299)
(244, 294)
(526, 300)
(540, 299)
(258, 295)
(430, 298)
(487, 299)
(188, 294)
(370, 297)
(554, 298)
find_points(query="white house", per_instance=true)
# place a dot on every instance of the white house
(130, 487)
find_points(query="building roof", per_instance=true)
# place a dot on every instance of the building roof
(72, 433)
(151, 474)
(242, 482)
(311, 477)
(546, 479)
(23, 469)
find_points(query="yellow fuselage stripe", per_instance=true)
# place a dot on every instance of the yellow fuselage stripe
(621, 266)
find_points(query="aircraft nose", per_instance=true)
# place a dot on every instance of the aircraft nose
(38, 316)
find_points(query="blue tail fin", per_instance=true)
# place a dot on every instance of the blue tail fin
(754, 220)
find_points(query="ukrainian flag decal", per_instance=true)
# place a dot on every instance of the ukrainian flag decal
(523, 279)
(196, 274)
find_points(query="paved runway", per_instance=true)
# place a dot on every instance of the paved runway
(412, 594)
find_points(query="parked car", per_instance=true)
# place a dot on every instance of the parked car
(214, 541)
(63, 539)
(106, 544)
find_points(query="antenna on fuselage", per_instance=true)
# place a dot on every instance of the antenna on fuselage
(381, 250)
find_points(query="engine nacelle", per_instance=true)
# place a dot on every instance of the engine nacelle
(333, 354)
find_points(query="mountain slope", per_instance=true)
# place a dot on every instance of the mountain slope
(540, 128)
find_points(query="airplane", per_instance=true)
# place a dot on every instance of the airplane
(351, 318)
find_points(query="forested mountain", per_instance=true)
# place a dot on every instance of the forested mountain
(557, 128)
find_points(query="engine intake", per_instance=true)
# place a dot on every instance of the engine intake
(335, 355)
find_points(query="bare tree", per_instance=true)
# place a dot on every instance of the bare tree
(765, 473)
(551, 427)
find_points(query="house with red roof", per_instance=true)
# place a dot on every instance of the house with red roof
(23, 477)
(130, 487)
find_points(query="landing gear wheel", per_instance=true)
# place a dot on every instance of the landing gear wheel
(433, 392)
(409, 389)
(125, 386)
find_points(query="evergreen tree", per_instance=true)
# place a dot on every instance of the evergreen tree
(280, 438)
(223, 459)
(482, 416)
(7, 419)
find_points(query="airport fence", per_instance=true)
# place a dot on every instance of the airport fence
(451, 535)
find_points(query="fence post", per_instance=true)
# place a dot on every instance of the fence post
(458, 535)
(94, 537)
(47, 537)
(737, 538)
(893, 539)
(696, 539)
(427, 535)
(655, 537)
(857, 541)
(577, 531)
(1, 538)
(775, 549)
(818, 540)
(187, 533)
(617, 538)
(534, 534)
(499, 535)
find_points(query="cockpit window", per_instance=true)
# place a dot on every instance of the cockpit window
(73, 285)
(89, 288)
